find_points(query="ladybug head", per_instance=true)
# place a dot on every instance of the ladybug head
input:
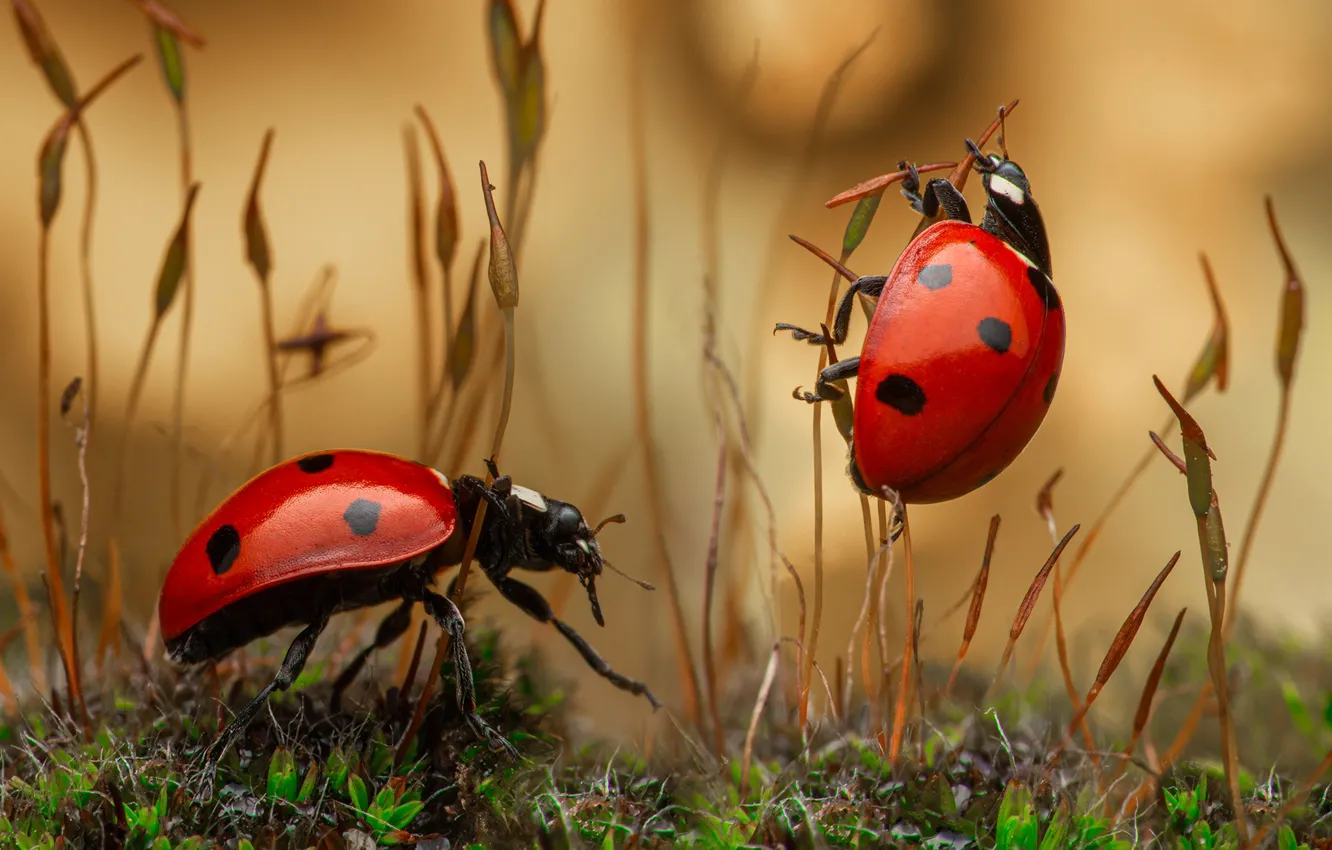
(1005, 182)
(1011, 212)
(562, 537)
(558, 535)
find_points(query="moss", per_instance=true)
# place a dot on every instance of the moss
(301, 777)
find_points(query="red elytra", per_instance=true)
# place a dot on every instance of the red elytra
(955, 379)
(294, 524)
(964, 349)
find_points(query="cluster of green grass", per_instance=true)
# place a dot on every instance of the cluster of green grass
(305, 778)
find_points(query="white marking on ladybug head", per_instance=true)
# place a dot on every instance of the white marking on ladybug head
(1003, 186)
(530, 497)
(585, 546)
(443, 479)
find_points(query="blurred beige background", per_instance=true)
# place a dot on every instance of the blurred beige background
(1150, 131)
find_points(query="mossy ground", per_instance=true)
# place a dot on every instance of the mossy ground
(302, 777)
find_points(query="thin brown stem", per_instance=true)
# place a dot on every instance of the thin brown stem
(642, 406)
(261, 261)
(504, 284)
(1045, 506)
(865, 619)
(186, 329)
(1216, 664)
(1256, 512)
(55, 583)
(274, 381)
(420, 282)
(709, 586)
(899, 714)
(813, 639)
(81, 442)
(759, 702)
(817, 438)
(85, 272)
(869, 677)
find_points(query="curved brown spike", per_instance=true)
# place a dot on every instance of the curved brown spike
(826, 257)
(876, 185)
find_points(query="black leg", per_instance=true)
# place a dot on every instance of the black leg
(450, 619)
(292, 665)
(501, 490)
(938, 193)
(871, 286)
(390, 629)
(500, 494)
(824, 389)
(531, 601)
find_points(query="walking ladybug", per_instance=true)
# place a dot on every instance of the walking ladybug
(963, 352)
(338, 530)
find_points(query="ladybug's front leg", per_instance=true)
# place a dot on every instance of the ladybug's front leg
(939, 193)
(530, 600)
(824, 387)
(870, 286)
(450, 619)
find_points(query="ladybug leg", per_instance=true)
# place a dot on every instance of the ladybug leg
(450, 619)
(291, 668)
(390, 629)
(500, 493)
(939, 193)
(869, 286)
(530, 600)
(500, 496)
(824, 388)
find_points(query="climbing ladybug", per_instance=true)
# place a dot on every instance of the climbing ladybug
(963, 352)
(338, 530)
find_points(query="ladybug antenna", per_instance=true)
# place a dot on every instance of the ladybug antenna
(616, 518)
(638, 581)
(1003, 146)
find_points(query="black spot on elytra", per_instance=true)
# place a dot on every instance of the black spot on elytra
(1044, 287)
(935, 277)
(1050, 385)
(362, 516)
(995, 333)
(902, 394)
(315, 463)
(223, 548)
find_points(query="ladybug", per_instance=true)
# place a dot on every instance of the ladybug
(337, 530)
(964, 348)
